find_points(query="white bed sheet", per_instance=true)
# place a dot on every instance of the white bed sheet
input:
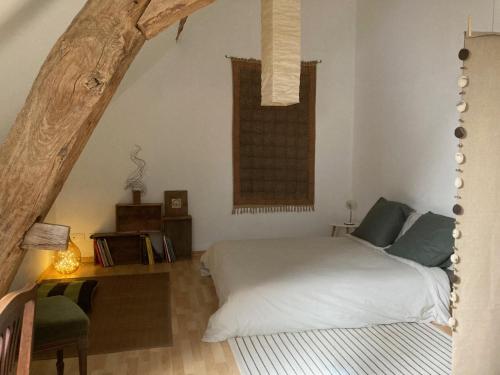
(297, 284)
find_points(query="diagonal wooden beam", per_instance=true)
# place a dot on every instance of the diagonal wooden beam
(71, 92)
(161, 14)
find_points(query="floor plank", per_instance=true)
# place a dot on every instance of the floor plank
(193, 301)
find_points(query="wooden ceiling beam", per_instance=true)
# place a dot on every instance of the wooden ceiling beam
(161, 14)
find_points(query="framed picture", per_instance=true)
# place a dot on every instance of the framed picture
(176, 203)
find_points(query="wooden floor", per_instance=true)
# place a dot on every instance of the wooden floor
(193, 301)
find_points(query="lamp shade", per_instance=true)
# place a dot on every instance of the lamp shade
(43, 236)
(280, 52)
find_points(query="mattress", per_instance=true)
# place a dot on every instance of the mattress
(298, 284)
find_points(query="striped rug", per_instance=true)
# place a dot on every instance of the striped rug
(403, 348)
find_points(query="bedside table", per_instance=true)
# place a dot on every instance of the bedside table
(347, 228)
(179, 230)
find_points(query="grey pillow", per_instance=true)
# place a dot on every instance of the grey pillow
(383, 222)
(429, 241)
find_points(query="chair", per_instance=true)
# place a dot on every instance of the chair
(17, 311)
(59, 323)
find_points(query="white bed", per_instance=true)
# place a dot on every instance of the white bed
(296, 284)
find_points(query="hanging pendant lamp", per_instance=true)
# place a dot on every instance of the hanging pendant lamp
(280, 52)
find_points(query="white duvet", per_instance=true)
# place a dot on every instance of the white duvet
(296, 284)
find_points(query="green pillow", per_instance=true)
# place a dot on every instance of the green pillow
(79, 291)
(383, 222)
(428, 242)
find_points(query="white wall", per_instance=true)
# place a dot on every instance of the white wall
(405, 96)
(176, 102)
(34, 263)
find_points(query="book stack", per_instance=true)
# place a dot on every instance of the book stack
(102, 255)
(168, 250)
(147, 250)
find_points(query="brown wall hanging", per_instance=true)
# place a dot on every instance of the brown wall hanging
(273, 147)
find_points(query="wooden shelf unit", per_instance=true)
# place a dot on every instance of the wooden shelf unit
(138, 217)
(134, 221)
(124, 247)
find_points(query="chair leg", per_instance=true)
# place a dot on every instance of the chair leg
(82, 355)
(60, 362)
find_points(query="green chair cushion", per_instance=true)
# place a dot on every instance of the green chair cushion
(58, 318)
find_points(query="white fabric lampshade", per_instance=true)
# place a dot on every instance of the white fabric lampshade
(280, 52)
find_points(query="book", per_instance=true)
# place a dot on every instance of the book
(97, 257)
(108, 253)
(102, 256)
(149, 249)
(170, 247)
(166, 253)
(103, 253)
(144, 255)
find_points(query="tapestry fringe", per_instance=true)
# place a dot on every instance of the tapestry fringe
(271, 209)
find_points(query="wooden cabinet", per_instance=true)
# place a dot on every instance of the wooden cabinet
(179, 230)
